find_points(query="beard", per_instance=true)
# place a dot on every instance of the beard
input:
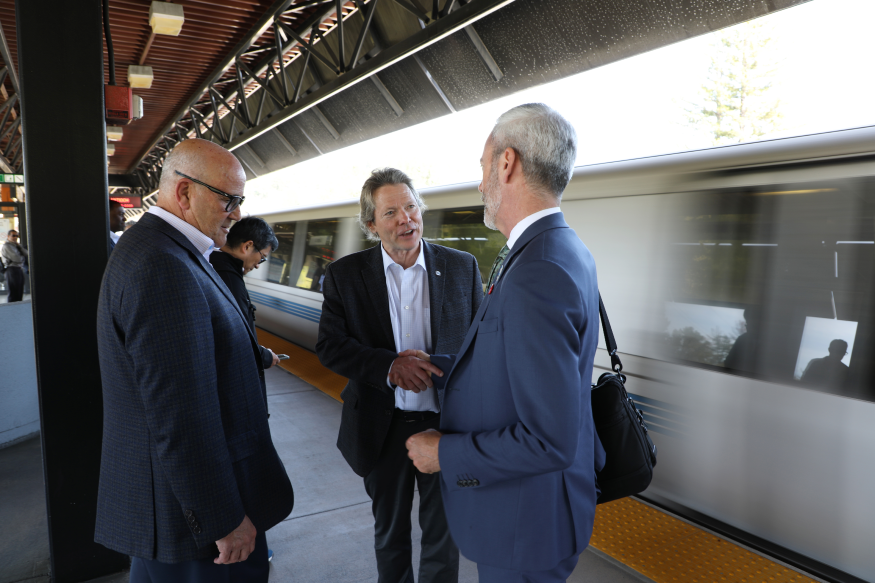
(491, 197)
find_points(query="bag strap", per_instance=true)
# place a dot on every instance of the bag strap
(611, 343)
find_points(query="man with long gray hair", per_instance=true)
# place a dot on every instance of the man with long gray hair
(401, 295)
(517, 449)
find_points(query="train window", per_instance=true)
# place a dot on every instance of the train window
(776, 282)
(280, 262)
(463, 229)
(319, 253)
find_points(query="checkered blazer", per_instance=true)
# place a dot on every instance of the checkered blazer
(356, 340)
(187, 449)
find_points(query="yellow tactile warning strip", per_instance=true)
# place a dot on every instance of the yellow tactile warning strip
(657, 545)
(304, 364)
(668, 550)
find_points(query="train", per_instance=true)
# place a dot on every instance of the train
(740, 282)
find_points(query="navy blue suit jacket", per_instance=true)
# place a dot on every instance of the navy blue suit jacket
(520, 450)
(186, 444)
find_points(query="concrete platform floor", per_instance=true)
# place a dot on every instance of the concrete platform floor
(327, 538)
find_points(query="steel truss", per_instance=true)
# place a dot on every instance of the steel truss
(10, 115)
(278, 72)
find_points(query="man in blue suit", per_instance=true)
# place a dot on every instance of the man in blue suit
(517, 449)
(189, 476)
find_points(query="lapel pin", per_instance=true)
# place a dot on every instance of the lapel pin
(437, 272)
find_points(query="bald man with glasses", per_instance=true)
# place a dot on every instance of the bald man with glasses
(190, 479)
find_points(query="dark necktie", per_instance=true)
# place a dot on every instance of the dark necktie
(496, 266)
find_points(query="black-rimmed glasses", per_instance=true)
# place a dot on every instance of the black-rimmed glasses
(233, 200)
(263, 258)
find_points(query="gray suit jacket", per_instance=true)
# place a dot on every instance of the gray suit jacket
(187, 449)
(356, 340)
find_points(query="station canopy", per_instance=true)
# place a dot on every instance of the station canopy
(281, 81)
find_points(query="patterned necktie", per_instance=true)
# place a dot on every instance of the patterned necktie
(496, 266)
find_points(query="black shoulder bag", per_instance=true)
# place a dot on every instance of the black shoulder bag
(630, 454)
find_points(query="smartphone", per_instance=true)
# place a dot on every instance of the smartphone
(282, 356)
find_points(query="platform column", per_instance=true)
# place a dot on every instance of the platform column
(60, 52)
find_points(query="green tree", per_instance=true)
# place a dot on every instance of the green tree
(736, 103)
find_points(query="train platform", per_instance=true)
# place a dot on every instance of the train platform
(329, 535)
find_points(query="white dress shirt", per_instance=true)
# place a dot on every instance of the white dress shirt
(410, 311)
(521, 227)
(527, 222)
(201, 242)
(114, 236)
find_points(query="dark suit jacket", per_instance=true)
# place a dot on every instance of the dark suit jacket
(520, 450)
(187, 449)
(230, 269)
(356, 340)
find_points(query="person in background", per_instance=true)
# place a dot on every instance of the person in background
(190, 479)
(402, 294)
(116, 222)
(517, 449)
(14, 257)
(828, 372)
(249, 242)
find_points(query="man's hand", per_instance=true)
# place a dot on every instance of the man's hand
(422, 448)
(412, 373)
(238, 545)
(276, 359)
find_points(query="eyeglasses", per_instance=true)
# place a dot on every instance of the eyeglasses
(263, 258)
(233, 200)
(13, 236)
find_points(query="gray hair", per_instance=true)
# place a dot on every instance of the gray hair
(545, 142)
(379, 178)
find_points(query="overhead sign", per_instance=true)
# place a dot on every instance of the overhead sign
(11, 178)
(128, 202)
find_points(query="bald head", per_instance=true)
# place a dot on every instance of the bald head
(194, 203)
(203, 160)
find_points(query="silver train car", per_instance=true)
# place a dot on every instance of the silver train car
(740, 281)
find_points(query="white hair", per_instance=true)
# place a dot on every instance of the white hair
(545, 142)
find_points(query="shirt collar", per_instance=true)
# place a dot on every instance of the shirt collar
(389, 262)
(524, 224)
(201, 242)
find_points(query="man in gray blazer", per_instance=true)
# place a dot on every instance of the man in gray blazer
(402, 294)
(189, 476)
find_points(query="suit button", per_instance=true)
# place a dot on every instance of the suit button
(460, 484)
(475, 482)
(196, 530)
(188, 513)
(388, 412)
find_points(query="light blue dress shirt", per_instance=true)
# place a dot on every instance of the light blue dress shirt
(410, 311)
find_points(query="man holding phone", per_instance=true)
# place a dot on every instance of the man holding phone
(249, 242)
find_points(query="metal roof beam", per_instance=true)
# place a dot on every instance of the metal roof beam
(431, 34)
(484, 53)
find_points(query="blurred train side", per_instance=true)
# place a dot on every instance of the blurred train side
(786, 227)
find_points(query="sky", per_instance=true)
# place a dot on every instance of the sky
(629, 109)
(707, 320)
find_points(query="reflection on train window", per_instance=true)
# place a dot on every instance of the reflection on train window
(703, 334)
(321, 239)
(777, 282)
(824, 353)
(463, 229)
(280, 261)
